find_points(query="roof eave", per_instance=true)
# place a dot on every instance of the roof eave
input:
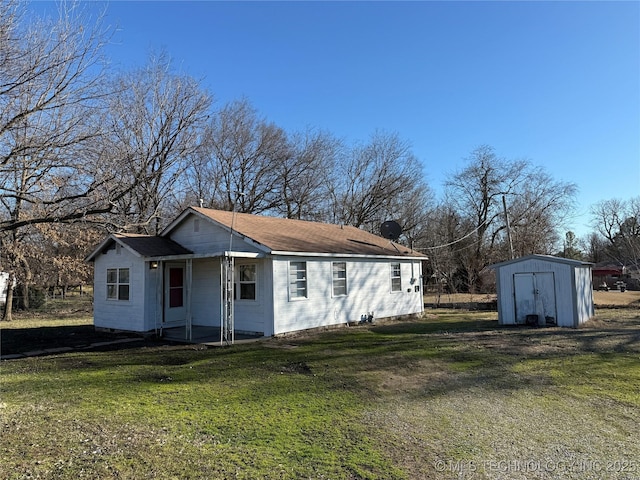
(111, 238)
(101, 246)
(549, 258)
(193, 256)
(348, 255)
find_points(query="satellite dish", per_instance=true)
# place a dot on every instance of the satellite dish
(390, 230)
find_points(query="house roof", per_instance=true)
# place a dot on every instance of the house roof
(141, 245)
(152, 246)
(282, 235)
(271, 234)
(548, 258)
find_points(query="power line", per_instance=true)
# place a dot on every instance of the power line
(455, 241)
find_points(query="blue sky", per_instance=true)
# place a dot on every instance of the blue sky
(557, 83)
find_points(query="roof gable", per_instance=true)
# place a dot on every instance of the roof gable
(283, 235)
(141, 245)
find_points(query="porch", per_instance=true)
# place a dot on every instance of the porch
(206, 335)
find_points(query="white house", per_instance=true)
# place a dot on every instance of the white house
(4, 284)
(251, 274)
(544, 290)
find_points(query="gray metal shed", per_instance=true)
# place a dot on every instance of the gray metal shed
(544, 290)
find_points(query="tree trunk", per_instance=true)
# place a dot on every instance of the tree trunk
(8, 304)
(26, 283)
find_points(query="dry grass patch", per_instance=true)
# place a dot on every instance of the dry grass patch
(630, 298)
(612, 298)
(521, 403)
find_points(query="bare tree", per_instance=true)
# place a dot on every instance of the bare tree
(50, 89)
(51, 79)
(156, 121)
(595, 247)
(618, 222)
(411, 209)
(536, 203)
(445, 238)
(607, 217)
(476, 192)
(538, 208)
(372, 179)
(202, 178)
(304, 176)
(245, 155)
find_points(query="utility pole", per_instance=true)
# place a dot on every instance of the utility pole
(506, 216)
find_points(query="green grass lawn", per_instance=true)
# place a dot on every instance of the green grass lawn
(450, 395)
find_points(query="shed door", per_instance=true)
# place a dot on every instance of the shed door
(174, 293)
(535, 294)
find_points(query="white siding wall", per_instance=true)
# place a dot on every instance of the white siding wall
(205, 297)
(120, 314)
(506, 295)
(369, 290)
(255, 315)
(249, 315)
(208, 238)
(584, 290)
(565, 294)
(153, 299)
(272, 312)
(4, 283)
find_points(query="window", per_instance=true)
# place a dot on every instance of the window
(117, 284)
(298, 279)
(339, 278)
(246, 282)
(396, 278)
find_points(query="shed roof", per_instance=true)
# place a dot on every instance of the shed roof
(547, 258)
(283, 235)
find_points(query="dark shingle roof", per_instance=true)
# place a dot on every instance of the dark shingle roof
(151, 246)
(287, 235)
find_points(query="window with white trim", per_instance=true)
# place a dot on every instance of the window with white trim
(117, 284)
(396, 278)
(339, 271)
(246, 281)
(297, 280)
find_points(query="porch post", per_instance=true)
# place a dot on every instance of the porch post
(189, 280)
(160, 296)
(226, 297)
